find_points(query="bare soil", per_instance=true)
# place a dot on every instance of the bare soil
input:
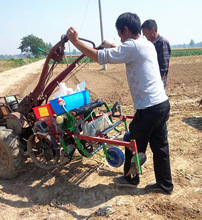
(84, 189)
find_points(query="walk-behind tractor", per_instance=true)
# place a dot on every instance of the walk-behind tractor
(49, 131)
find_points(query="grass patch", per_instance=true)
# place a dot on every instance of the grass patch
(21, 62)
(7, 64)
(13, 63)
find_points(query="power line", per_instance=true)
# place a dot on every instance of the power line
(84, 16)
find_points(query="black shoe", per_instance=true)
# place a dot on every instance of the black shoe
(134, 169)
(127, 181)
(156, 188)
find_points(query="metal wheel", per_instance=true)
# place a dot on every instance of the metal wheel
(86, 147)
(43, 150)
(11, 154)
(117, 157)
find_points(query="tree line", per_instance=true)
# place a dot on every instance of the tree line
(192, 44)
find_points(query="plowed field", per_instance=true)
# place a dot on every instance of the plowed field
(84, 189)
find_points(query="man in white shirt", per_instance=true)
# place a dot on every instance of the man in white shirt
(149, 97)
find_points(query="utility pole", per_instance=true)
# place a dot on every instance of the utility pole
(70, 53)
(101, 28)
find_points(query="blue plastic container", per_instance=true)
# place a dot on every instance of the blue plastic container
(72, 101)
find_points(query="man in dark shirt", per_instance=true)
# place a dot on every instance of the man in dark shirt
(149, 29)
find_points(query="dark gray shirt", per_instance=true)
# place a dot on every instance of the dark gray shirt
(163, 52)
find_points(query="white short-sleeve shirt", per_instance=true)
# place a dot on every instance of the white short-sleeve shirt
(142, 70)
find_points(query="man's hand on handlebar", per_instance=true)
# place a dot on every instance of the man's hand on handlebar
(107, 44)
(72, 34)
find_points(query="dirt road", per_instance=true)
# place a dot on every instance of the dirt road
(18, 79)
(85, 189)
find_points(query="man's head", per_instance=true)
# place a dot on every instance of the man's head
(128, 25)
(149, 29)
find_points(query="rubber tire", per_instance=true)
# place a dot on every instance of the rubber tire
(117, 157)
(14, 154)
(32, 156)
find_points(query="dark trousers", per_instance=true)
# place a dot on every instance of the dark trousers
(149, 126)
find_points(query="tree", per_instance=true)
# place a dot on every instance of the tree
(74, 51)
(49, 46)
(192, 43)
(32, 42)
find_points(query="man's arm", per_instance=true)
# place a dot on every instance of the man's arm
(85, 49)
(163, 52)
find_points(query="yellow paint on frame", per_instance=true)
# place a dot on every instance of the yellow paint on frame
(43, 112)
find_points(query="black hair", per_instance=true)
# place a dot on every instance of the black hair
(149, 24)
(129, 20)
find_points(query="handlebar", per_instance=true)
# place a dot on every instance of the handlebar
(65, 39)
(43, 90)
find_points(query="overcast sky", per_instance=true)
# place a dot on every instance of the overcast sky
(178, 20)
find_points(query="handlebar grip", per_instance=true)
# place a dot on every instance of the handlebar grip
(64, 38)
(42, 50)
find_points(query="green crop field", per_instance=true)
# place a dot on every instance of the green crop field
(71, 59)
(186, 52)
